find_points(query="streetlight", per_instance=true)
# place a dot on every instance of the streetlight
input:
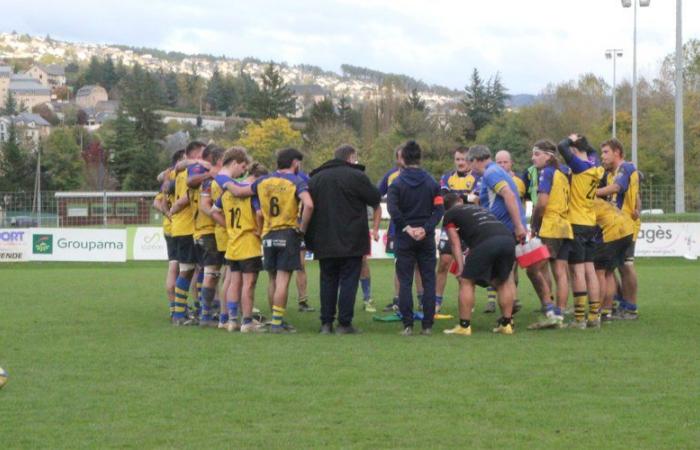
(679, 163)
(627, 4)
(614, 53)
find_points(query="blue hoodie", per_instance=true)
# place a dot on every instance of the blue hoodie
(414, 199)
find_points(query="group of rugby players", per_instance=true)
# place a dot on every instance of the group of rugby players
(226, 218)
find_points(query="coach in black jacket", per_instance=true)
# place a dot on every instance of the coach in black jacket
(415, 206)
(338, 233)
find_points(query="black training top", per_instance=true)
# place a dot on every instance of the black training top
(474, 224)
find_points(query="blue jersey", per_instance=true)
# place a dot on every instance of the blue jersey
(493, 180)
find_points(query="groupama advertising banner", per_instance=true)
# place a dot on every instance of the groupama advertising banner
(148, 243)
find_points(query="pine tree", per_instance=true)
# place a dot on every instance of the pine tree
(123, 146)
(11, 106)
(345, 111)
(274, 98)
(321, 114)
(16, 168)
(415, 101)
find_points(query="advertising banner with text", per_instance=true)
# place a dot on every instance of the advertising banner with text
(78, 244)
(14, 244)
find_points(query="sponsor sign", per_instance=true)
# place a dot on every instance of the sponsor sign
(14, 244)
(78, 244)
(149, 244)
(668, 239)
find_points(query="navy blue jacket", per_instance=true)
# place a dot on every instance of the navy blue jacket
(414, 199)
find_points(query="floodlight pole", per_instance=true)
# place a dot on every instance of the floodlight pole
(679, 151)
(613, 53)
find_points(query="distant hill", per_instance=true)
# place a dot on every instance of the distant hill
(521, 100)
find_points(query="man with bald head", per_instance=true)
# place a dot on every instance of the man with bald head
(505, 160)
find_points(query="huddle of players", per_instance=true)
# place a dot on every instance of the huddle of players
(221, 210)
(587, 216)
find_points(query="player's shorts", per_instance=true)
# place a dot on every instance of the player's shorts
(583, 244)
(559, 248)
(611, 255)
(492, 260)
(250, 265)
(444, 246)
(281, 250)
(629, 252)
(184, 249)
(207, 252)
(170, 245)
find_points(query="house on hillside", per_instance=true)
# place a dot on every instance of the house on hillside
(5, 72)
(307, 95)
(51, 75)
(27, 91)
(90, 95)
(31, 128)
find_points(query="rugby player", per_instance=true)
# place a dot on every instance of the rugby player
(550, 221)
(182, 232)
(489, 261)
(623, 189)
(585, 179)
(281, 194)
(301, 277)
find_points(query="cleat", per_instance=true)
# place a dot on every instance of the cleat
(391, 307)
(490, 308)
(222, 325)
(304, 307)
(181, 322)
(577, 324)
(504, 329)
(369, 306)
(326, 328)
(233, 326)
(550, 322)
(606, 318)
(625, 314)
(280, 329)
(459, 330)
(407, 331)
(349, 329)
(426, 332)
(253, 327)
(594, 323)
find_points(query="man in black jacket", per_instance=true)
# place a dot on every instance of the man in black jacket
(415, 206)
(339, 233)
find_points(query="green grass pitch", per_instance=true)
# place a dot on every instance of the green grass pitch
(93, 363)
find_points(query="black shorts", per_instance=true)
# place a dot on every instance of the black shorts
(207, 252)
(170, 245)
(281, 250)
(583, 244)
(629, 253)
(611, 255)
(559, 248)
(492, 260)
(250, 265)
(184, 249)
(444, 246)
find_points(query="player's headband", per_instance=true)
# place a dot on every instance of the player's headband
(542, 150)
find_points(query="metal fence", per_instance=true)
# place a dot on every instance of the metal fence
(76, 209)
(114, 209)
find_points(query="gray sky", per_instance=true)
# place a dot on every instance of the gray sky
(530, 42)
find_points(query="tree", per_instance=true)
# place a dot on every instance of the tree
(321, 113)
(11, 107)
(325, 139)
(415, 101)
(275, 98)
(263, 139)
(483, 101)
(141, 96)
(62, 161)
(16, 164)
(121, 140)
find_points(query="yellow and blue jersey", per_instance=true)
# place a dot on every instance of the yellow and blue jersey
(493, 180)
(183, 220)
(627, 177)
(220, 232)
(203, 224)
(279, 194)
(520, 185)
(555, 220)
(241, 226)
(613, 223)
(167, 223)
(460, 183)
(585, 178)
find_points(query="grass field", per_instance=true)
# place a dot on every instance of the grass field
(94, 364)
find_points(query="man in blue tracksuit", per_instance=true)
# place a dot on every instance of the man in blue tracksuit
(415, 206)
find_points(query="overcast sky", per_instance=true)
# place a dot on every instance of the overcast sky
(530, 42)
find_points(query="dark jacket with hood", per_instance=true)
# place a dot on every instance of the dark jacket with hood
(339, 226)
(414, 199)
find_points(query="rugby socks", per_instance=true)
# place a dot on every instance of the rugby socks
(232, 306)
(182, 287)
(365, 283)
(505, 321)
(223, 317)
(172, 309)
(491, 292)
(464, 323)
(198, 301)
(277, 316)
(593, 310)
(207, 300)
(438, 300)
(580, 303)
